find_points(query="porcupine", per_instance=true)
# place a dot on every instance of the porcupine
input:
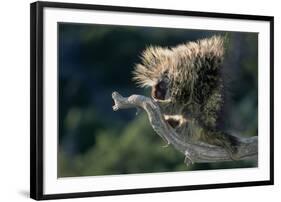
(188, 84)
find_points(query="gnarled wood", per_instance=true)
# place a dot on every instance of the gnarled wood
(194, 152)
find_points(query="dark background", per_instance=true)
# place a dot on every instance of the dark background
(95, 60)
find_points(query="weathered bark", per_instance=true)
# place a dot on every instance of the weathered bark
(198, 152)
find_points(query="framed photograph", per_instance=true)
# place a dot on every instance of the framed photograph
(134, 100)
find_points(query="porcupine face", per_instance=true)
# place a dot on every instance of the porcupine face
(160, 90)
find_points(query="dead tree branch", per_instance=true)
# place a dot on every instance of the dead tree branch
(194, 152)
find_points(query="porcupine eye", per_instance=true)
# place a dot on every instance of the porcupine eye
(159, 91)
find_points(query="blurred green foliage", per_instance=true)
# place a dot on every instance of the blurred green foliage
(95, 60)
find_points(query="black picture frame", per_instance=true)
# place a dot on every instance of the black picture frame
(36, 98)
